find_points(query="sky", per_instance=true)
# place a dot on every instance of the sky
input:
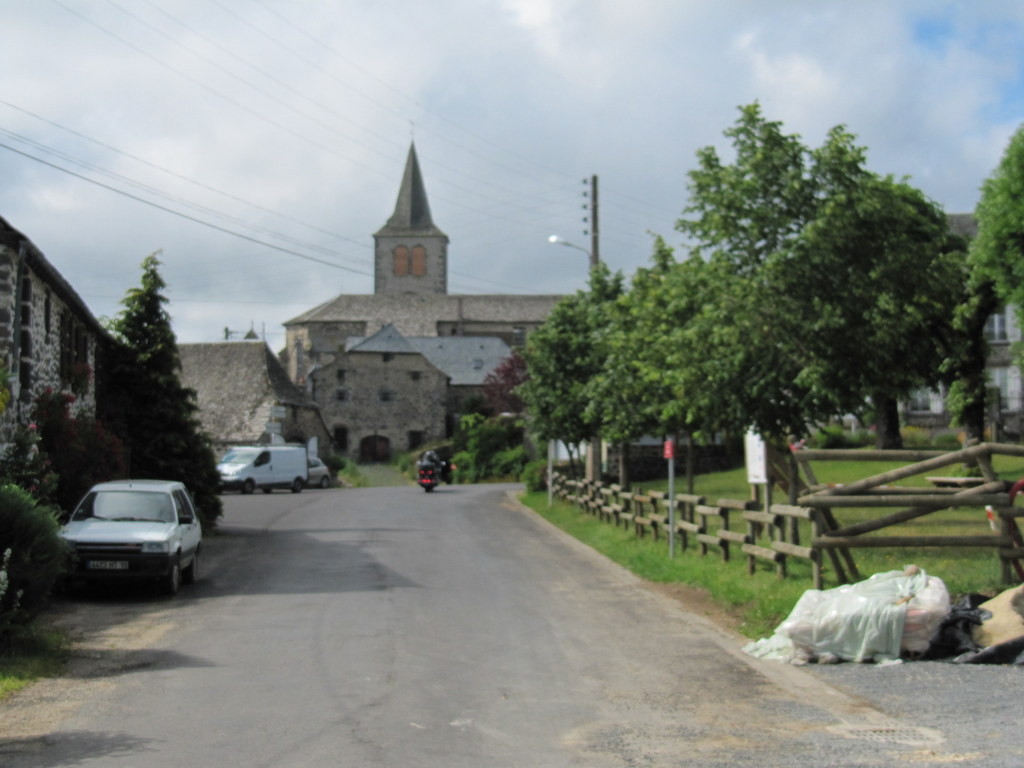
(257, 145)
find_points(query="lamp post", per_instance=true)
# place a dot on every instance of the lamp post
(556, 240)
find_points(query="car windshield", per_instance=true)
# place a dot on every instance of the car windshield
(239, 455)
(126, 506)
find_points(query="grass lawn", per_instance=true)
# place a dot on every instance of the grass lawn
(761, 601)
(34, 653)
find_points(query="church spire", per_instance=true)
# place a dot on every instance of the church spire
(410, 253)
(412, 211)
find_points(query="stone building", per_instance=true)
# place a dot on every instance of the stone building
(411, 296)
(391, 393)
(245, 396)
(48, 337)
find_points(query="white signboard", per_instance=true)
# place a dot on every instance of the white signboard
(757, 459)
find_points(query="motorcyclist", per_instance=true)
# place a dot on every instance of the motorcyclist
(443, 467)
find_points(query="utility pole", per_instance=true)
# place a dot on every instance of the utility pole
(593, 465)
(591, 219)
(595, 256)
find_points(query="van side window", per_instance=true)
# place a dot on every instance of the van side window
(263, 458)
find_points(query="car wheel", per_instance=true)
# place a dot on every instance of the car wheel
(248, 486)
(191, 573)
(325, 481)
(297, 485)
(172, 581)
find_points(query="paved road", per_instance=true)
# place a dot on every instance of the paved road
(388, 627)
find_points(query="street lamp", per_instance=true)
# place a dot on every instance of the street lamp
(556, 240)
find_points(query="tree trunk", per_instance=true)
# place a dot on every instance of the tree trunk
(887, 423)
(624, 465)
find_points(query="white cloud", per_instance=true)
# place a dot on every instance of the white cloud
(301, 114)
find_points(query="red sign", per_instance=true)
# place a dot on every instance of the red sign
(670, 450)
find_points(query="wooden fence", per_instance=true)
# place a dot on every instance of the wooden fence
(746, 529)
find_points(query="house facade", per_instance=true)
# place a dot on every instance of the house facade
(389, 393)
(48, 337)
(245, 396)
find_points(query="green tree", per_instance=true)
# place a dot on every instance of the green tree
(965, 366)
(562, 358)
(153, 411)
(997, 253)
(809, 313)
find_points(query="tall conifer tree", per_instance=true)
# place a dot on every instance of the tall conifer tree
(156, 414)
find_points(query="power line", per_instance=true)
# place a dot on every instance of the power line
(193, 219)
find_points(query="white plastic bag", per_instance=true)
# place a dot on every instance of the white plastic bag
(874, 619)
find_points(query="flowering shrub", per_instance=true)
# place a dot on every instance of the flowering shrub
(82, 451)
(24, 464)
(33, 559)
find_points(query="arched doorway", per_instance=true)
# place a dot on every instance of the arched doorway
(374, 448)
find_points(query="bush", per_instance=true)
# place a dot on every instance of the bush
(535, 475)
(832, 436)
(948, 441)
(82, 451)
(24, 464)
(335, 463)
(508, 463)
(466, 471)
(33, 558)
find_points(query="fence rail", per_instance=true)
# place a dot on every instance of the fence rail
(773, 535)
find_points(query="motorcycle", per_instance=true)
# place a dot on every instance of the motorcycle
(428, 475)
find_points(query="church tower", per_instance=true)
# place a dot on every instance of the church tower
(410, 253)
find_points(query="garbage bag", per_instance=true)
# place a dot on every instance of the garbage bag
(955, 635)
(877, 619)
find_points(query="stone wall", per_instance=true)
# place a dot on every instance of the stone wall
(399, 398)
(46, 342)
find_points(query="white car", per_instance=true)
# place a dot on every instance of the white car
(136, 530)
(319, 474)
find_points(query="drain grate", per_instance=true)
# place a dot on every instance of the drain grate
(889, 734)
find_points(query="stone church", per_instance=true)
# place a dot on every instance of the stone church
(390, 370)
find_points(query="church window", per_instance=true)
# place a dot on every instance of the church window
(341, 376)
(415, 438)
(341, 438)
(387, 357)
(414, 375)
(401, 261)
(386, 396)
(342, 395)
(419, 261)
(518, 336)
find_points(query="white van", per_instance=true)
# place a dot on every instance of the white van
(248, 467)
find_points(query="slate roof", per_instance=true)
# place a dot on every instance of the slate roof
(419, 314)
(412, 211)
(465, 360)
(234, 383)
(12, 238)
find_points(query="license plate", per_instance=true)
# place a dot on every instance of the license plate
(107, 565)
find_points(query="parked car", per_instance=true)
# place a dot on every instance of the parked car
(136, 530)
(248, 467)
(319, 474)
